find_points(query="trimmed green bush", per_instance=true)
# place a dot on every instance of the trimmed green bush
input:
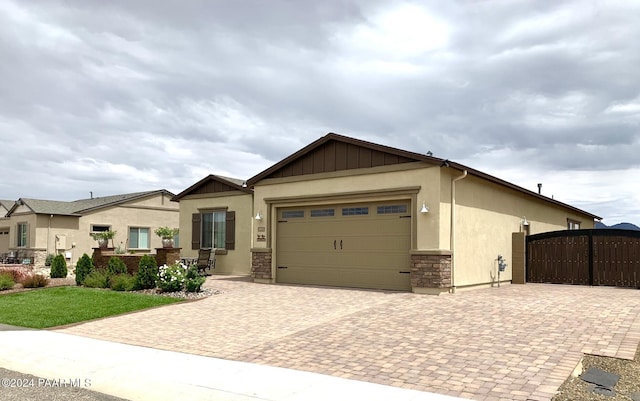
(48, 260)
(83, 268)
(6, 281)
(96, 279)
(147, 275)
(116, 266)
(35, 281)
(193, 281)
(58, 267)
(121, 282)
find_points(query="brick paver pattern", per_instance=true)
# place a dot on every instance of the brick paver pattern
(516, 342)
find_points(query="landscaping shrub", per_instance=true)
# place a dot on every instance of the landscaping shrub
(83, 268)
(121, 282)
(147, 274)
(6, 281)
(58, 267)
(116, 266)
(35, 281)
(48, 260)
(171, 278)
(96, 279)
(17, 273)
(193, 281)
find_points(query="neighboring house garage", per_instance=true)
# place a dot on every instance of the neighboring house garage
(347, 244)
(346, 212)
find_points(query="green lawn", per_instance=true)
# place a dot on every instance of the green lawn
(57, 306)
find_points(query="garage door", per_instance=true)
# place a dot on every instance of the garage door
(351, 245)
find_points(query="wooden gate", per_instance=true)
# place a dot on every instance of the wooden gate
(586, 257)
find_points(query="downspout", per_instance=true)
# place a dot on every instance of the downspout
(452, 231)
(48, 231)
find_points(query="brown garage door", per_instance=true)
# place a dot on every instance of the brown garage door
(351, 245)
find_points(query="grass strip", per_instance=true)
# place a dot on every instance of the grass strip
(57, 306)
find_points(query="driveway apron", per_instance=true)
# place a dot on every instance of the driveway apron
(516, 342)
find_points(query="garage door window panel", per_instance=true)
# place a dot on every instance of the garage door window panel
(355, 211)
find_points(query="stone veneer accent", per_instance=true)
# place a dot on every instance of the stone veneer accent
(261, 263)
(167, 256)
(431, 269)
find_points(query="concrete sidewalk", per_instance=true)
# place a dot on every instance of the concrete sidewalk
(139, 373)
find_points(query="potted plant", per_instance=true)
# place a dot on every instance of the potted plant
(167, 235)
(103, 237)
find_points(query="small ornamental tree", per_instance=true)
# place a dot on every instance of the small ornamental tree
(147, 275)
(116, 266)
(58, 267)
(84, 267)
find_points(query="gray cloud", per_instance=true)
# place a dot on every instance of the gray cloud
(124, 96)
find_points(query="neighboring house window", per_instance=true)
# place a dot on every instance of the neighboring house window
(95, 228)
(138, 237)
(23, 234)
(213, 229)
(573, 224)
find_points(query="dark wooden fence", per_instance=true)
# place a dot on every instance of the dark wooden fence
(588, 257)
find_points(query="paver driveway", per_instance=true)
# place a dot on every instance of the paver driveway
(517, 342)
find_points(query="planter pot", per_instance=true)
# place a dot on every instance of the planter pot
(167, 242)
(103, 243)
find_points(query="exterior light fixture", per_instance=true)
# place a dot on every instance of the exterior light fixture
(258, 216)
(525, 223)
(424, 209)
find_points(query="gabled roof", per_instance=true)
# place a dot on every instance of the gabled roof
(345, 153)
(214, 184)
(79, 207)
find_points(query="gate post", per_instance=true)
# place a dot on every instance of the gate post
(518, 256)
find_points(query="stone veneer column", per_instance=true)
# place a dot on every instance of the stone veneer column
(167, 256)
(261, 265)
(431, 271)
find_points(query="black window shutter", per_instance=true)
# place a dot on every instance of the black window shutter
(230, 239)
(195, 231)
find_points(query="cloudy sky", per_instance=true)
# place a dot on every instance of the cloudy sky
(126, 96)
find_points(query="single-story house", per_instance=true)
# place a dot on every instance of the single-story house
(346, 212)
(216, 212)
(35, 228)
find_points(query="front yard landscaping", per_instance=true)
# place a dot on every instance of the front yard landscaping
(57, 306)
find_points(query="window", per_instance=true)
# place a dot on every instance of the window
(23, 231)
(322, 213)
(355, 211)
(99, 228)
(573, 224)
(392, 209)
(213, 230)
(293, 214)
(138, 238)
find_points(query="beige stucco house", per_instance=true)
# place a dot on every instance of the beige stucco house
(216, 212)
(345, 212)
(38, 227)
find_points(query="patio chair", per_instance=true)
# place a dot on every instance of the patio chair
(206, 260)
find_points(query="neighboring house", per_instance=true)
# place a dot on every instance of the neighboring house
(345, 212)
(5, 205)
(216, 212)
(39, 227)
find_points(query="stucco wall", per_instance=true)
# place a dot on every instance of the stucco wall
(486, 216)
(357, 186)
(237, 261)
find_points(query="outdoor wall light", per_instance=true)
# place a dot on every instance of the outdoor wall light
(258, 216)
(525, 222)
(424, 209)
